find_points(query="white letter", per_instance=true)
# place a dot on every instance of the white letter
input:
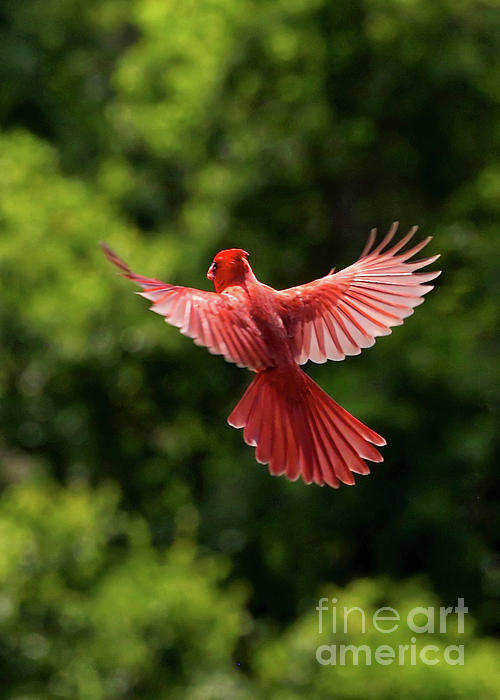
(377, 618)
(429, 627)
(460, 610)
(332, 654)
(443, 612)
(320, 609)
(334, 616)
(363, 621)
(413, 651)
(402, 649)
(459, 661)
(384, 655)
(423, 654)
(355, 654)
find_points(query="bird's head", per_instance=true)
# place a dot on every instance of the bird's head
(229, 267)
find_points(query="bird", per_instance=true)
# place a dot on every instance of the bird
(298, 430)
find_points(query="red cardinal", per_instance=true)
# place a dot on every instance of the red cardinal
(297, 429)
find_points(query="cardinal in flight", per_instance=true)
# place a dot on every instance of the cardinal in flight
(296, 428)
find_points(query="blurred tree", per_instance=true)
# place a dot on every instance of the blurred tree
(89, 609)
(55, 69)
(284, 667)
(289, 129)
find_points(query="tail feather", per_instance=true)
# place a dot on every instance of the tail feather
(321, 442)
(355, 443)
(309, 468)
(264, 450)
(278, 465)
(344, 459)
(298, 430)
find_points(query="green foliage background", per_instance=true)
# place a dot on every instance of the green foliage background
(144, 554)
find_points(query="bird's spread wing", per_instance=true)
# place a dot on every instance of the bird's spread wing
(342, 313)
(220, 322)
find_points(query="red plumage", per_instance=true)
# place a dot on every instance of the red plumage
(296, 428)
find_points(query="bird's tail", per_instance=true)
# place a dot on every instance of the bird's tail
(300, 431)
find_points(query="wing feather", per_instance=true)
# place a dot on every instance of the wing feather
(342, 313)
(219, 322)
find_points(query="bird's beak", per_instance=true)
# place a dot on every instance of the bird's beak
(211, 272)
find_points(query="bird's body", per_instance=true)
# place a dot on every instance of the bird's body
(296, 428)
(263, 308)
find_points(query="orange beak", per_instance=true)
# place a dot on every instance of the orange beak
(211, 272)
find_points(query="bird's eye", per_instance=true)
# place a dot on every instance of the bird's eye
(214, 266)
